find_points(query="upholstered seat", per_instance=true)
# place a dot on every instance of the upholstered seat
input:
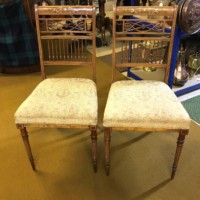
(60, 101)
(127, 96)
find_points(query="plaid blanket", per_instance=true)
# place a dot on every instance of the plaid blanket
(18, 45)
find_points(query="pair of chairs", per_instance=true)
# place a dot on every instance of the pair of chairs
(139, 35)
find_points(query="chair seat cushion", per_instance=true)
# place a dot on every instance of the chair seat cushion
(67, 101)
(144, 104)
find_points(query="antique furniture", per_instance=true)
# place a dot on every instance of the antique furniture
(145, 105)
(63, 102)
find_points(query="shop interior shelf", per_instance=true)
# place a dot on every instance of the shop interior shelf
(192, 84)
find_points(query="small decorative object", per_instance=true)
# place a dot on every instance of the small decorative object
(141, 3)
(153, 53)
(189, 16)
(180, 74)
(194, 64)
(160, 3)
(157, 3)
(150, 69)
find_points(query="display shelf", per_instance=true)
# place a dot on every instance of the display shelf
(192, 84)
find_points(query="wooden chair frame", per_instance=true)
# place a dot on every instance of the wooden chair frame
(46, 17)
(150, 24)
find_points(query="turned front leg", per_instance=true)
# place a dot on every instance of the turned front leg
(24, 135)
(107, 139)
(93, 130)
(180, 142)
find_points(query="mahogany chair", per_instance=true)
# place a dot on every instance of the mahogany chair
(64, 34)
(143, 37)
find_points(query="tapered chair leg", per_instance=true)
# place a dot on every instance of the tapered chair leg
(93, 130)
(107, 139)
(180, 142)
(24, 135)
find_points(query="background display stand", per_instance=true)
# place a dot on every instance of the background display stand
(191, 85)
(194, 82)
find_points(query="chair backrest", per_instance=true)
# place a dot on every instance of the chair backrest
(143, 36)
(66, 36)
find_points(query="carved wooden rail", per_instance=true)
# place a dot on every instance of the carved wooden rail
(145, 35)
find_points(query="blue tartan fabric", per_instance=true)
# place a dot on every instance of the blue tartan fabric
(18, 45)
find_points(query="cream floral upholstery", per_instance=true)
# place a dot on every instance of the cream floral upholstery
(125, 108)
(60, 101)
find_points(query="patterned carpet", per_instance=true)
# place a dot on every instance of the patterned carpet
(193, 108)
